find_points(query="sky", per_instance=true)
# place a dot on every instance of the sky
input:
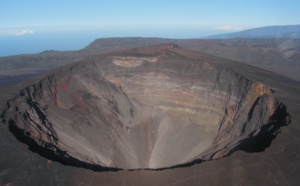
(32, 26)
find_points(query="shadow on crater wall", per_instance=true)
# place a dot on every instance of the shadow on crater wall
(268, 132)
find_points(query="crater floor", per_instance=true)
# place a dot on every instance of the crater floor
(148, 108)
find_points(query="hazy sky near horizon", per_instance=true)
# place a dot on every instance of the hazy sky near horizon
(45, 22)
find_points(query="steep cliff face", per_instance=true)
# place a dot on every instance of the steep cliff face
(154, 107)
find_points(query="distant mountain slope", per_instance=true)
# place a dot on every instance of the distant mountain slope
(279, 55)
(269, 51)
(291, 31)
(126, 42)
(251, 51)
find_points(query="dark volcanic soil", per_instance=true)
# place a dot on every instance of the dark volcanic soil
(153, 107)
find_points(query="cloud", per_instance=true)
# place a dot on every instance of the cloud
(230, 28)
(16, 32)
(23, 32)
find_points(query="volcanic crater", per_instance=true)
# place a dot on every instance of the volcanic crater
(147, 108)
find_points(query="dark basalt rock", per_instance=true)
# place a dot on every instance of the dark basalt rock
(147, 108)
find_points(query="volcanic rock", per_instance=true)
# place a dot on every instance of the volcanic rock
(146, 108)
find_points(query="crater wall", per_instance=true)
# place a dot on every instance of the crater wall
(148, 111)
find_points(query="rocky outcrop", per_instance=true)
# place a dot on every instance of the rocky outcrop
(153, 107)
